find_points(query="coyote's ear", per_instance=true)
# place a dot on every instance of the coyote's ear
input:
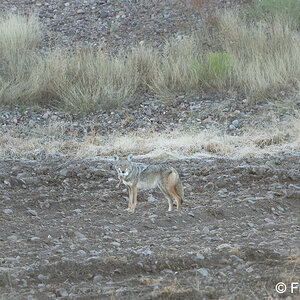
(130, 157)
(116, 157)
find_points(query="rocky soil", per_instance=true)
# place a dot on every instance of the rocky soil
(114, 23)
(66, 234)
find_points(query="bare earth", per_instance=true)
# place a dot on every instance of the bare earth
(65, 231)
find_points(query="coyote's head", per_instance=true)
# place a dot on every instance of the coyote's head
(123, 166)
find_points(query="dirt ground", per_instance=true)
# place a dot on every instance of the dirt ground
(65, 232)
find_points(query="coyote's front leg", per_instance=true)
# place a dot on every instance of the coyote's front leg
(130, 198)
(134, 194)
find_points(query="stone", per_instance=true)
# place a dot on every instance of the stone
(235, 123)
(80, 236)
(62, 292)
(63, 172)
(32, 212)
(8, 211)
(203, 272)
(98, 279)
(116, 244)
(205, 229)
(199, 256)
(81, 252)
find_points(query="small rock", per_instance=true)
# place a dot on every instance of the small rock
(116, 244)
(203, 272)
(267, 220)
(81, 252)
(249, 270)
(199, 256)
(62, 292)
(12, 238)
(45, 116)
(8, 211)
(236, 258)
(148, 252)
(32, 212)
(7, 182)
(98, 279)
(63, 172)
(43, 277)
(235, 123)
(80, 236)
(293, 187)
(205, 229)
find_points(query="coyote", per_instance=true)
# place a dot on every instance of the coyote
(137, 176)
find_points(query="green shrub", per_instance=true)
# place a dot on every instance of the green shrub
(213, 70)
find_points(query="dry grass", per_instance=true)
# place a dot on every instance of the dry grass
(84, 80)
(174, 289)
(19, 41)
(265, 56)
(174, 71)
(55, 139)
(259, 59)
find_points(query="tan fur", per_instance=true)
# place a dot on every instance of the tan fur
(137, 176)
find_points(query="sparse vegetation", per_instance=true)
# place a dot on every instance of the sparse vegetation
(256, 58)
(253, 142)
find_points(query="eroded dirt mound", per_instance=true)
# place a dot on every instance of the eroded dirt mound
(65, 231)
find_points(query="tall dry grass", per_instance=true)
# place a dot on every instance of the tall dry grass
(85, 80)
(256, 58)
(173, 70)
(20, 38)
(264, 56)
